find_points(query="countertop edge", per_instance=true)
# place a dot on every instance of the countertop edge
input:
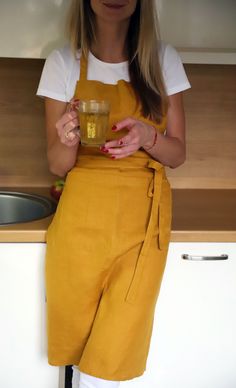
(203, 236)
(18, 236)
(39, 236)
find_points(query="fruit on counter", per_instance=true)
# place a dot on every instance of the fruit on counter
(57, 188)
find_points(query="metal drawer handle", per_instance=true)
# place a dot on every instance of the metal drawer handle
(200, 258)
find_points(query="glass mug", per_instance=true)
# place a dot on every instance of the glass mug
(94, 120)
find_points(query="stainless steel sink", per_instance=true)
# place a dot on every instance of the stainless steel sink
(22, 207)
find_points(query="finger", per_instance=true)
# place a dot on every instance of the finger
(126, 140)
(69, 126)
(128, 123)
(123, 155)
(73, 104)
(122, 151)
(66, 118)
(71, 137)
(71, 134)
(112, 143)
(77, 132)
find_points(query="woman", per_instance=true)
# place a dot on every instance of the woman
(107, 244)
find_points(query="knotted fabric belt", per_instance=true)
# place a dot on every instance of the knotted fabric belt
(154, 192)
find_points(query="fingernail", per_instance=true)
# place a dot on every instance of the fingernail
(114, 128)
(121, 142)
(103, 149)
(113, 157)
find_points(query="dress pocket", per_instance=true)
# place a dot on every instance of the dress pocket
(165, 215)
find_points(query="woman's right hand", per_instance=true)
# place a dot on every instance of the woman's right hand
(68, 126)
(62, 136)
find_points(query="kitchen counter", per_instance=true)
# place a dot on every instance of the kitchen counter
(198, 215)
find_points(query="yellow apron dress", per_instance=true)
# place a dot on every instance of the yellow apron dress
(106, 251)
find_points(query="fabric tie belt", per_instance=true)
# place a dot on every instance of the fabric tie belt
(154, 192)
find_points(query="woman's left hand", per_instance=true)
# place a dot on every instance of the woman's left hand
(140, 135)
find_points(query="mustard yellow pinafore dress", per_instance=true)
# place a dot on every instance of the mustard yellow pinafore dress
(106, 251)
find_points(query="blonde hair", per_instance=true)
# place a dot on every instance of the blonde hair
(143, 44)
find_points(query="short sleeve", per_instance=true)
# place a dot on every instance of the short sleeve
(54, 77)
(174, 75)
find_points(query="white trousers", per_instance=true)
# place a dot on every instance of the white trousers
(82, 380)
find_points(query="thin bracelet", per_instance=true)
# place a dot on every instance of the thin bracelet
(154, 141)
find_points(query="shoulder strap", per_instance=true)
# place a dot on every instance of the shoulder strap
(83, 67)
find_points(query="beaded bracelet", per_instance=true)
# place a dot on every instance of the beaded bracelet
(154, 141)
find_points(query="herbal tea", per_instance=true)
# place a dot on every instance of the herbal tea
(94, 119)
(93, 128)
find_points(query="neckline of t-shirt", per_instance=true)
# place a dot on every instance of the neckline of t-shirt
(95, 59)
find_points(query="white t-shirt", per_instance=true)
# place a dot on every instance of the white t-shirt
(62, 70)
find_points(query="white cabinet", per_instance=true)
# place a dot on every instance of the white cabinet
(22, 325)
(31, 28)
(204, 31)
(193, 343)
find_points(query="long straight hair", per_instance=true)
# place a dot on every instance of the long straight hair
(143, 44)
